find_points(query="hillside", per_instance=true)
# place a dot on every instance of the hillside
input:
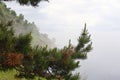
(22, 26)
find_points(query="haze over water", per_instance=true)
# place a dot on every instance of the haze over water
(64, 20)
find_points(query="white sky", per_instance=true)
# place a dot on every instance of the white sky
(64, 19)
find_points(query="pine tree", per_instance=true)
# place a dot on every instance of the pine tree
(23, 43)
(48, 63)
(13, 49)
(84, 45)
(28, 2)
(6, 38)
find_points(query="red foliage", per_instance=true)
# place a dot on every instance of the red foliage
(66, 55)
(59, 78)
(13, 59)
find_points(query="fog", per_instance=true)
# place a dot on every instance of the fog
(64, 20)
(103, 61)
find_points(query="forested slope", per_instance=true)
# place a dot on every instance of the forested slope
(22, 26)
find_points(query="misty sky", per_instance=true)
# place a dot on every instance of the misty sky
(64, 20)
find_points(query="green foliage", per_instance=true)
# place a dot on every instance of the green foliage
(28, 2)
(10, 75)
(84, 45)
(41, 60)
(49, 63)
(72, 77)
(7, 38)
(21, 17)
(10, 43)
(13, 13)
(23, 43)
